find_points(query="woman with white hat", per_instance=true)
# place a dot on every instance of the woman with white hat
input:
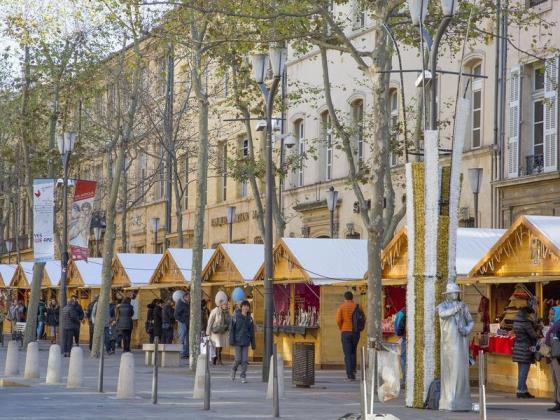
(218, 325)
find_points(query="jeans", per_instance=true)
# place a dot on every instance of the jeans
(555, 365)
(90, 334)
(69, 335)
(54, 330)
(166, 335)
(40, 329)
(349, 346)
(522, 373)
(241, 358)
(184, 338)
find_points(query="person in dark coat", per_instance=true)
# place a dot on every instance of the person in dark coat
(157, 319)
(167, 321)
(89, 314)
(53, 312)
(124, 314)
(150, 320)
(526, 337)
(81, 316)
(41, 319)
(204, 314)
(241, 336)
(183, 317)
(71, 323)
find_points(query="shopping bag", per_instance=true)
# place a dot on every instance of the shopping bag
(388, 373)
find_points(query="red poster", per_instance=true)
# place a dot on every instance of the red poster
(80, 219)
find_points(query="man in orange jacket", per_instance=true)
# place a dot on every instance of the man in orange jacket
(349, 331)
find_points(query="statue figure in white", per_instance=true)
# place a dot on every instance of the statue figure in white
(456, 324)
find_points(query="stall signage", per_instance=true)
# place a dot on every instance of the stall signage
(241, 217)
(43, 220)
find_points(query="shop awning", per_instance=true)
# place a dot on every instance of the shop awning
(175, 267)
(134, 268)
(89, 272)
(7, 273)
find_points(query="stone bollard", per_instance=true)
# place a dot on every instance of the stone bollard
(198, 392)
(32, 361)
(280, 377)
(76, 368)
(125, 384)
(12, 356)
(54, 365)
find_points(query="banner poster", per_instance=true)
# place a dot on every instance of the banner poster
(43, 220)
(80, 219)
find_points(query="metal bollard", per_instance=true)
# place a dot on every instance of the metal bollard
(481, 385)
(155, 371)
(364, 383)
(275, 401)
(101, 366)
(207, 388)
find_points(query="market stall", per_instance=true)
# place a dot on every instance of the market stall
(7, 273)
(134, 272)
(23, 277)
(309, 278)
(523, 265)
(472, 244)
(230, 266)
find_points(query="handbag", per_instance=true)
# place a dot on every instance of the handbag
(555, 349)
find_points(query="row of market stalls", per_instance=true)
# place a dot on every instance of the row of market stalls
(498, 270)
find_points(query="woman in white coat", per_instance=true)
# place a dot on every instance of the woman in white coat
(218, 325)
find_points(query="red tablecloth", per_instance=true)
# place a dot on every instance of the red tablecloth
(500, 345)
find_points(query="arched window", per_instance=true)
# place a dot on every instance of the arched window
(358, 120)
(476, 126)
(326, 136)
(299, 130)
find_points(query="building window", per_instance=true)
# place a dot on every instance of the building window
(536, 162)
(533, 3)
(359, 16)
(300, 135)
(327, 138)
(358, 116)
(476, 105)
(394, 103)
(223, 171)
(161, 173)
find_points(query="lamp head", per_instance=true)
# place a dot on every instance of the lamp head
(66, 142)
(332, 198)
(9, 245)
(475, 179)
(418, 10)
(278, 57)
(260, 66)
(289, 141)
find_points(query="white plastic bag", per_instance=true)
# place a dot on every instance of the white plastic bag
(388, 374)
(207, 344)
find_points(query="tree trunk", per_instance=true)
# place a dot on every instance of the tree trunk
(202, 180)
(168, 128)
(124, 214)
(178, 208)
(108, 245)
(31, 324)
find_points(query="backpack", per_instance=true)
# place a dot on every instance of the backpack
(400, 324)
(221, 324)
(434, 392)
(358, 320)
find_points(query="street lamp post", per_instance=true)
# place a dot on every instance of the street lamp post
(332, 198)
(66, 144)
(230, 216)
(277, 58)
(9, 247)
(418, 11)
(97, 233)
(155, 228)
(475, 178)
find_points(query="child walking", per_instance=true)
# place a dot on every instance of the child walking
(241, 336)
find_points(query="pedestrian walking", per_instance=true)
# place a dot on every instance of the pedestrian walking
(167, 322)
(89, 316)
(241, 336)
(157, 317)
(524, 348)
(12, 316)
(400, 331)
(218, 326)
(351, 321)
(124, 313)
(183, 317)
(552, 335)
(149, 325)
(21, 312)
(41, 318)
(71, 322)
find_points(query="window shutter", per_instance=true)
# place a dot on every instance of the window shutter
(550, 115)
(514, 113)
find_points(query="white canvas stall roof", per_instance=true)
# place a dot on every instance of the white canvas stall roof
(183, 258)
(472, 244)
(27, 268)
(328, 261)
(247, 258)
(549, 226)
(53, 269)
(139, 267)
(90, 271)
(7, 272)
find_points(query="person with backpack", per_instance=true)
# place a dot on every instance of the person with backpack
(400, 331)
(351, 322)
(218, 326)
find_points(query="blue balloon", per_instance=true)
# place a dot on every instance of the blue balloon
(238, 294)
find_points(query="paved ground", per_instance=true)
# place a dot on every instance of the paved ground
(330, 398)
